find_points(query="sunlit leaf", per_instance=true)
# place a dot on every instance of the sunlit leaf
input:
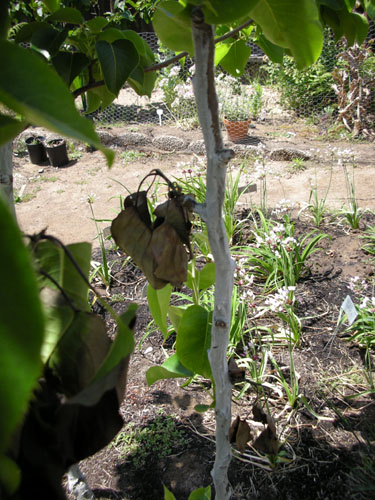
(158, 302)
(173, 26)
(52, 5)
(234, 62)
(96, 24)
(171, 368)
(292, 24)
(219, 12)
(194, 340)
(201, 494)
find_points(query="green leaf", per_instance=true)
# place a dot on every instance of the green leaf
(171, 368)
(66, 15)
(96, 24)
(49, 39)
(206, 276)
(21, 327)
(221, 50)
(167, 494)
(219, 12)
(234, 62)
(30, 87)
(175, 313)
(104, 94)
(274, 52)
(69, 65)
(9, 128)
(200, 408)
(142, 83)
(172, 24)
(158, 302)
(201, 494)
(10, 475)
(194, 340)
(93, 101)
(52, 5)
(117, 60)
(370, 8)
(354, 27)
(26, 31)
(292, 24)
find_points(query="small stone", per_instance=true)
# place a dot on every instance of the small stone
(41, 170)
(289, 154)
(169, 143)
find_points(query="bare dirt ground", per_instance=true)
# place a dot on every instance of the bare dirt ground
(324, 459)
(58, 196)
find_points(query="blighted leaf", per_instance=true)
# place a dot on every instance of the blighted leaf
(267, 441)
(236, 374)
(173, 213)
(133, 236)
(240, 433)
(169, 254)
(259, 414)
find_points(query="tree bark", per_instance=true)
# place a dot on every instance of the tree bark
(217, 159)
(6, 174)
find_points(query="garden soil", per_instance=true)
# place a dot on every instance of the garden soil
(322, 458)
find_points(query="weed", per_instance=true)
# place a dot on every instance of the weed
(129, 156)
(298, 165)
(160, 437)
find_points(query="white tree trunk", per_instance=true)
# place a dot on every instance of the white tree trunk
(217, 159)
(6, 174)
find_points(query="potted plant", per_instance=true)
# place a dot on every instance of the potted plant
(237, 118)
(57, 152)
(35, 148)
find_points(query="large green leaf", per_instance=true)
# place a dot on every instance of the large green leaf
(354, 26)
(66, 15)
(21, 327)
(292, 24)
(142, 83)
(194, 340)
(9, 128)
(106, 97)
(173, 26)
(221, 12)
(171, 368)
(31, 88)
(274, 52)
(234, 62)
(117, 60)
(158, 303)
(69, 65)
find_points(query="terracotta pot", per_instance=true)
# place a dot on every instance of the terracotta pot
(237, 130)
(57, 152)
(36, 150)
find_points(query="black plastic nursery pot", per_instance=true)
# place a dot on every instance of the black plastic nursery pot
(57, 152)
(36, 149)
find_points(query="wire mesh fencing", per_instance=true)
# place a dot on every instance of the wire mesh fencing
(338, 90)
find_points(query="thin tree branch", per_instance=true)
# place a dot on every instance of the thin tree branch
(164, 64)
(179, 56)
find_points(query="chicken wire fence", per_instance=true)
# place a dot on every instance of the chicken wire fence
(338, 90)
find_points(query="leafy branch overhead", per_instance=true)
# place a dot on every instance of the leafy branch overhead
(95, 59)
